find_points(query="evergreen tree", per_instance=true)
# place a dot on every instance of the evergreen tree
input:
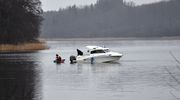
(114, 18)
(19, 20)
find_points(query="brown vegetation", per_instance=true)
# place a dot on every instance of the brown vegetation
(25, 47)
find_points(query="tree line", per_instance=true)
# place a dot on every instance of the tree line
(20, 21)
(114, 18)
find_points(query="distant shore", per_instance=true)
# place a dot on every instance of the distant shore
(113, 38)
(24, 47)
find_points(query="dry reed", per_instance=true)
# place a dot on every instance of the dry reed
(25, 47)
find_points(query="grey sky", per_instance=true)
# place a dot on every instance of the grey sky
(56, 4)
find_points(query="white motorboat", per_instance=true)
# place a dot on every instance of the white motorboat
(96, 54)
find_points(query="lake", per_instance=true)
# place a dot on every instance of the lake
(149, 70)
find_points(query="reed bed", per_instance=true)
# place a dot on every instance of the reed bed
(25, 47)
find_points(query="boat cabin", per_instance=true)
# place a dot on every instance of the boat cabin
(97, 49)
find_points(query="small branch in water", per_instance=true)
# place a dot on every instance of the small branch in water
(172, 75)
(178, 67)
(173, 87)
(174, 57)
(174, 95)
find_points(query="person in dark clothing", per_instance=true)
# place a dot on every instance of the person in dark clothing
(58, 58)
(79, 52)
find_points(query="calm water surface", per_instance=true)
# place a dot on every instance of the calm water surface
(147, 71)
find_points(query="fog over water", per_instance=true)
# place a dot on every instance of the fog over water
(113, 18)
(149, 70)
(56, 4)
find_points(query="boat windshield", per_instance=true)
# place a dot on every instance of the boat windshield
(97, 51)
(107, 50)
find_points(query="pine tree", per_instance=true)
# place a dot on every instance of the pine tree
(20, 21)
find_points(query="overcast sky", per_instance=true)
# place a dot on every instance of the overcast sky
(56, 4)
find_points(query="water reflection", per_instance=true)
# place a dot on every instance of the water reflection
(146, 72)
(19, 77)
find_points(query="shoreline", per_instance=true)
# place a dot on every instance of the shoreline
(113, 38)
(24, 47)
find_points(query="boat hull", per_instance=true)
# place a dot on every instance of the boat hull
(98, 59)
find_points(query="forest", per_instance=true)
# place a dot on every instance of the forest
(113, 18)
(20, 21)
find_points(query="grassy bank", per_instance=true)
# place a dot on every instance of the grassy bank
(25, 47)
